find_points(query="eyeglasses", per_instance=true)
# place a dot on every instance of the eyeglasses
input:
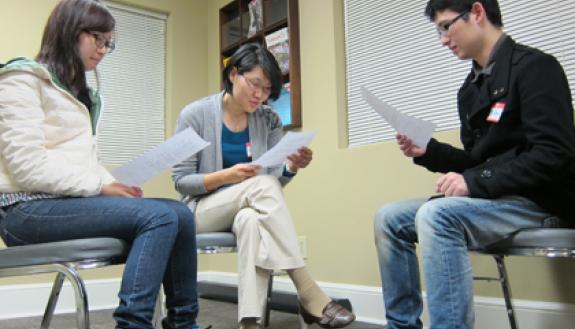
(102, 42)
(443, 27)
(256, 86)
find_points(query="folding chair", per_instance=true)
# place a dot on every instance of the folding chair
(64, 258)
(542, 242)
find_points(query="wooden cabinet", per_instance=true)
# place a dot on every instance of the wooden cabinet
(275, 24)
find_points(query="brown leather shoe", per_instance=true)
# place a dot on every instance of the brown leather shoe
(333, 316)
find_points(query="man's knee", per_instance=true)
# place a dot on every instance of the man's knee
(387, 221)
(439, 215)
(381, 222)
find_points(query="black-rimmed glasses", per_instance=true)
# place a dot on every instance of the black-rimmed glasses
(443, 27)
(102, 42)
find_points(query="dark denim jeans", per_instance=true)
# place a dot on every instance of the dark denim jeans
(162, 234)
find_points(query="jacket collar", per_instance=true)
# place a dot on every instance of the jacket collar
(495, 85)
(478, 70)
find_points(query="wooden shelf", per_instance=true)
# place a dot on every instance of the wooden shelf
(276, 26)
(276, 15)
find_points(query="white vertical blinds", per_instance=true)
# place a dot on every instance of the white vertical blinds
(132, 83)
(393, 50)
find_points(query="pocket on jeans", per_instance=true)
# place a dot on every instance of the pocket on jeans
(11, 240)
(19, 226)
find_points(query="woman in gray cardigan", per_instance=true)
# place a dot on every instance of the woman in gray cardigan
(227, 192)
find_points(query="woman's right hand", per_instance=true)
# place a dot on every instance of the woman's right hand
(240, 172)
(119, 189)
(231, 175)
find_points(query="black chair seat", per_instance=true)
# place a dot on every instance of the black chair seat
(540, 239)
(215, 239)
(64, 252)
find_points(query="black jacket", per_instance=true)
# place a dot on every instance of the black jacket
(530, 151)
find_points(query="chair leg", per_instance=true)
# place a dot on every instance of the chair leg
(267, 311)
(503, 279)
(52, 301)
(81, 297)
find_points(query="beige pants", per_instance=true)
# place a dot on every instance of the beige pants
(255, 210)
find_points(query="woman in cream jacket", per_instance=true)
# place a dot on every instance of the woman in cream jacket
(53, 188)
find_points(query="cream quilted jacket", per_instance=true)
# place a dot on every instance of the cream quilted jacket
(46, 140)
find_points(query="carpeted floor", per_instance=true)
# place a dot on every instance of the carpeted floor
(220, 315)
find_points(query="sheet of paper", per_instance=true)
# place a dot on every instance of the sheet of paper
(161, 157)
(419, 131)
(288, 145)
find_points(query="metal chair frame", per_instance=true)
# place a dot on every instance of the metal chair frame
(63, 269)
(499, 251)
(214, 248)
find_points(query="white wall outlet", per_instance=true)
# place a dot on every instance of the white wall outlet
(303, 246)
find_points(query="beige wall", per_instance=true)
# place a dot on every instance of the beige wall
(334, 200)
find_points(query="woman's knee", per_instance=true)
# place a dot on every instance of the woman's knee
(157, 213)
(185, 216)
(246, 220)
(267, 181)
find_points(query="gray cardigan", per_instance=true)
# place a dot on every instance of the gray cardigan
(205, 117)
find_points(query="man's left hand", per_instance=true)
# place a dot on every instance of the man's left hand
(452, 184)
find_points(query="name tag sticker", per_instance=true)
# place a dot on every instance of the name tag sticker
(249, 149)
(496, 112)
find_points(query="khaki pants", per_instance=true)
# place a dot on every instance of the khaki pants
(255, 210)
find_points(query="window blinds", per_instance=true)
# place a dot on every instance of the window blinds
(132, 83)
(393, 50)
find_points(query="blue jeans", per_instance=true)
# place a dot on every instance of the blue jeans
(445, 229)
(162, 234)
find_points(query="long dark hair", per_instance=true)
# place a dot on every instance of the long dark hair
(59, 49)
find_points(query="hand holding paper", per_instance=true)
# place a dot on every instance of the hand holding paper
(419, 131)
(287, 146)
(300, 159)
(150, 164)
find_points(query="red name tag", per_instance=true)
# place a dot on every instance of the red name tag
(496, 112)
(249, 149)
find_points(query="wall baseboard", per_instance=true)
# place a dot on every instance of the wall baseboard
(27, 300)
(30, 299)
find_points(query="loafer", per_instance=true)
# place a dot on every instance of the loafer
(333, 316)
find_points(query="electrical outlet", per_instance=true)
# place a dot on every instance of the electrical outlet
(303, 246)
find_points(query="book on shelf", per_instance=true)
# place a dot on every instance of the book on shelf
(256, 18)
(278, 44)
(231, 32)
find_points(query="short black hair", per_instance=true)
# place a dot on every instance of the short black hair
(246, 58)
(491, 8)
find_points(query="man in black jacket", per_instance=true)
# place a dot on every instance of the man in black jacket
(516, 169)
